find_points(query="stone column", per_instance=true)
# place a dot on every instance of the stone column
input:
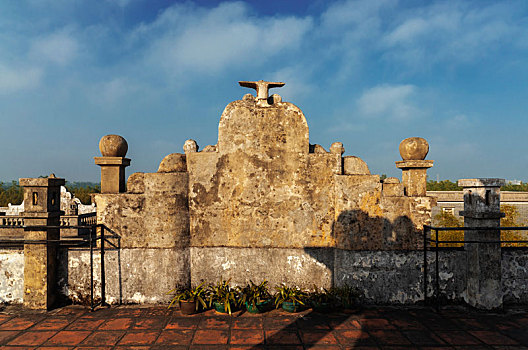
(482, 209)
(113, 163)
(41, 208)
(413, 151)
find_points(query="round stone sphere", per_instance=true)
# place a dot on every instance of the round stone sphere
(113, 146)
(414, 148)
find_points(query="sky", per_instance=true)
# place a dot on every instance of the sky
(366, 73)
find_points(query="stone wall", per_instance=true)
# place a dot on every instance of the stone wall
(515, 275)
(11, 275)
(263, 203)
(132, 275)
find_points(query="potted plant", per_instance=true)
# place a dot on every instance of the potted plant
(222, 297)
(347, 297)
(189, 299)
(290, 298)
(322, 301)
(256, 297)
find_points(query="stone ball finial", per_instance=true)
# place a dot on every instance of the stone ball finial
(113, 146)
(190, 146)
(414, 148)
(337, 148)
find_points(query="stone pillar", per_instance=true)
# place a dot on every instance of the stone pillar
(413, 151)
(41, 208)
(482, 209)
(113, 163)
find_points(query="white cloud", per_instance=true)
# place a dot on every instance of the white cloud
(407, 31)
(13, 79)
(452, 32)
(189, 38)
(390, 101)
(59, 47)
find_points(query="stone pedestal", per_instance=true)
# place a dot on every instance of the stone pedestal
(482, 209)
(41, 209)
(414, 176)
(112, 173)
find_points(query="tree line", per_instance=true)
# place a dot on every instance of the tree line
(448, 185)
(13, 193)
(512, 218)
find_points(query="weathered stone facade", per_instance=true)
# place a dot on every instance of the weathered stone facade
(264, 203)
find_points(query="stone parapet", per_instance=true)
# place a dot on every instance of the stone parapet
(484, 273)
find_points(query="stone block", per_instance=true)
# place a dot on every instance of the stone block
(355, 166)
(392, 187)
(136, 183)
(112, 173)
(174, 162)
(157, 218)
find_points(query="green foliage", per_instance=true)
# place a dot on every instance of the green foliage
(290, 294)
(446, 219)
(83, 190)
(12, 193)
(323, 296)
(197, 293)
(447, 185)
(512, 220)
(523, 187)
(255, 293)
(346, 296)
(444, 185)
(222, 293)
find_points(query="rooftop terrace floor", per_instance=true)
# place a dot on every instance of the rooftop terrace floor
(156, 327)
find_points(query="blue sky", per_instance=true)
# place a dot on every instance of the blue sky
(366, 73)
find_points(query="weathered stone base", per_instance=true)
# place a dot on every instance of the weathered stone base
(302, 267)
(396, 277)
(11, 276)
(515, 276)
(383, 277)
(139, 275)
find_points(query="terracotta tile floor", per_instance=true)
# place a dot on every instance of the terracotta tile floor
(155, 327)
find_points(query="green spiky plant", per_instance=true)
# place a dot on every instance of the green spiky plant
(223, 294)
(289, 294)
(253, 294)
(196, 294)
(322, 298)
(347, 296)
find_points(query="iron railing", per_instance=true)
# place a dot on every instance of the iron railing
(433, 244)
(89, 240)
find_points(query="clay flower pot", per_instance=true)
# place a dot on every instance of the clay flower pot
(187, 307)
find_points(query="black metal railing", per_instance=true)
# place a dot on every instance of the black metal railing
(97, 233)
(434, 244)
